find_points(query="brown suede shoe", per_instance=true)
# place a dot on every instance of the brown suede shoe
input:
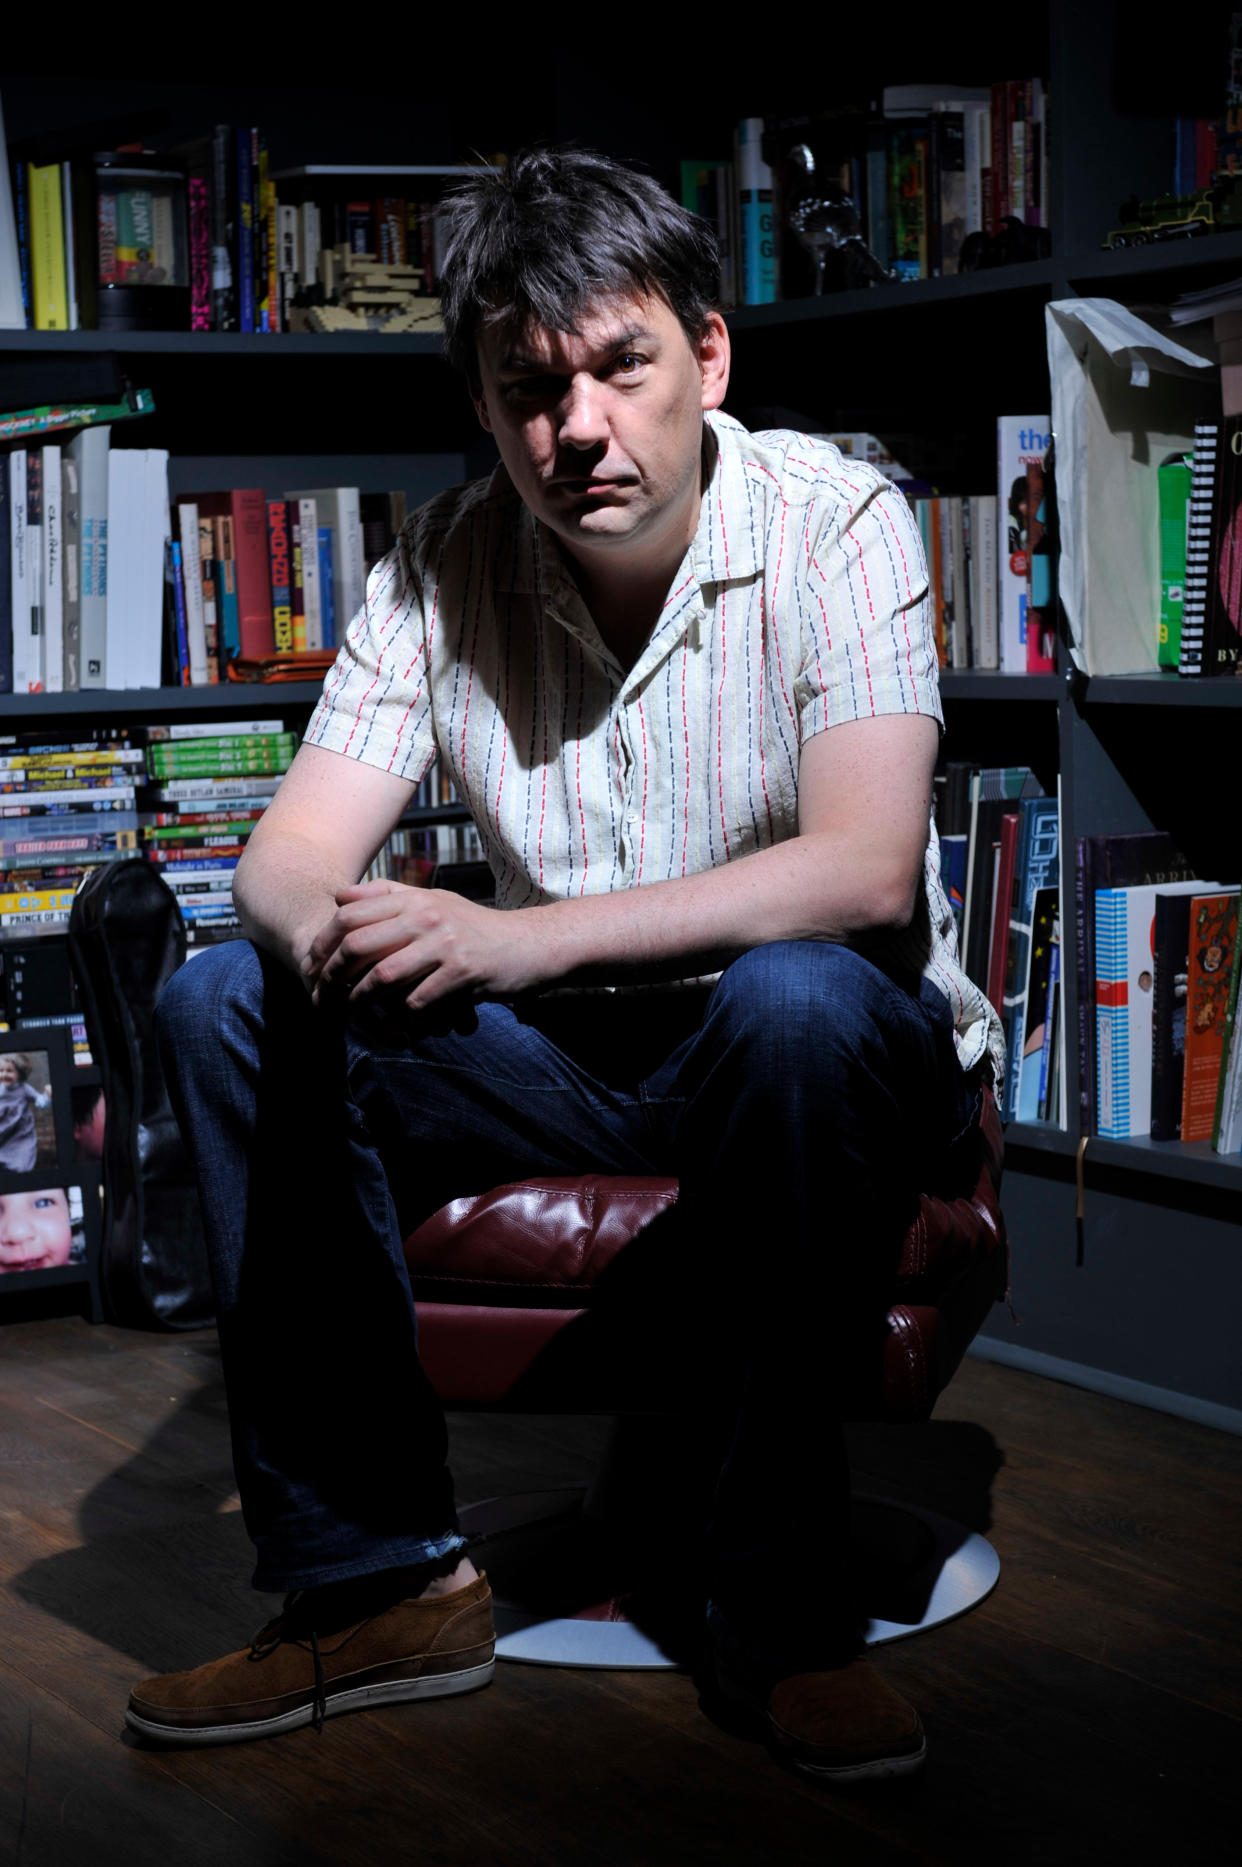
(289, 1676)
(843, 1726)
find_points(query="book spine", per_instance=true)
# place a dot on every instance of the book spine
(71, 508)
(226, 588)
(223, 193)
(1225, 1137)
(244, 234)
(327, 587)
(1198, 549)
(1173, 493)
(755, 204)
(182, 621)
(280, 573)
(47, 248)
(297, 594)
(211, 603)
(1170, 947)
(6, 579)
(31, 636)
(21, 214)
(308, 526)
(998, 206)
(1222, 642)
(1213, 935)
(1112, 1029)
(192, 572)
(53, 574)
(248, 510)
(91, 451)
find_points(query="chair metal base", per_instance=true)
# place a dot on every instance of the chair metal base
(559, 1588)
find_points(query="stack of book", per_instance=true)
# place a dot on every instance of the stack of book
(933, 171)
(1000, 862)
(209, 783)
(254, 240)
(1165, 963)
(68, 801)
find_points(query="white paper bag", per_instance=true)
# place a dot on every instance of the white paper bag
(1123, 397)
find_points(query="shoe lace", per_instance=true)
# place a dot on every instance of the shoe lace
(273, 1635)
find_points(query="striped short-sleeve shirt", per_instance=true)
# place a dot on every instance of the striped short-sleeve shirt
(801, 603)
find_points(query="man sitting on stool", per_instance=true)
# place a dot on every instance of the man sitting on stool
(685, 679)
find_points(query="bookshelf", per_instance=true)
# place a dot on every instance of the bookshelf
(1136, 1295)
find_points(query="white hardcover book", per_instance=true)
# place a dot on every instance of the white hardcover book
(147, 637)
(977, 135)
(1020, 440)
(90, 451)
(312, 605)
(126, 477)
(984, 629)
(53, 574)
(338, 508)
(192, 571)
(71, 508)
(18, 544)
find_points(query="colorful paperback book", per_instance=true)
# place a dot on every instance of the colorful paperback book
(52, 417)
(1031, 1067)
(1036, 866)
(1124, 962)
(1227, 1125)
(1213, 935)
(1021, 441)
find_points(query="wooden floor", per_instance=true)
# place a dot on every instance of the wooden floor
(1090, 1710)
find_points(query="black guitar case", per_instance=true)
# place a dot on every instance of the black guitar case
(126, 938)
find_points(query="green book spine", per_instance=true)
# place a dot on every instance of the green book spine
(1173, 483)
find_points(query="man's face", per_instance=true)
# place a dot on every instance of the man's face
(602, 433)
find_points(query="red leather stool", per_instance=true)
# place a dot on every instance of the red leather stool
(503, 1283)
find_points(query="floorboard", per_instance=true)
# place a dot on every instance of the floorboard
(1090, 1710)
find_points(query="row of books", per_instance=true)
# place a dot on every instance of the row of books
(1166, 964)
(988, 555)
(1000, 862)
(105, 583)
(183, 796)
(932, 171)
(210, 220)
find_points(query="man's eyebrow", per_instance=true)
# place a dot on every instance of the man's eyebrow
(521, 360)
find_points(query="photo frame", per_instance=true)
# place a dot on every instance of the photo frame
(49, 1190)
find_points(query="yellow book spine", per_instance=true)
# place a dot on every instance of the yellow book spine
(47, 249)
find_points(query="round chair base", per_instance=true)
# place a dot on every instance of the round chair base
(559, 1588)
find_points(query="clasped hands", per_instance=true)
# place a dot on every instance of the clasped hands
(418, 946)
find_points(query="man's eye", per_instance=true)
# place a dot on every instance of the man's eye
(629, 364)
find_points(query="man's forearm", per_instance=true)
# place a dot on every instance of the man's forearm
(284, 893)
(810, 888)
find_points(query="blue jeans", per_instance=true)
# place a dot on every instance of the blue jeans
(803, 1105)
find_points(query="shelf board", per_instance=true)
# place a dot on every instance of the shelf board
(1165, 688)
(1161, 256)
(225, 344)
(1040, 1136)
(987, 684)
(1030, 275)
(1195, 1161)
(239, 697)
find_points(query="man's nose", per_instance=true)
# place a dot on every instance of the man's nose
(583, 422)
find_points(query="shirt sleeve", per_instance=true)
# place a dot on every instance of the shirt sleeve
(868, 640)
(376, 701)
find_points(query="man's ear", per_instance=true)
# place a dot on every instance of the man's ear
(480, 405)
(714, 357)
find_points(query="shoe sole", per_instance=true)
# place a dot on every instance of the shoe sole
(875, 1770)
(356, 1698)
(871, 1770)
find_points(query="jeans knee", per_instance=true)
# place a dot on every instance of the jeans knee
(816, 993)
(201, 994)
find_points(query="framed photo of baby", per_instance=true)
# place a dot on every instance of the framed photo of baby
(48, 1205)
